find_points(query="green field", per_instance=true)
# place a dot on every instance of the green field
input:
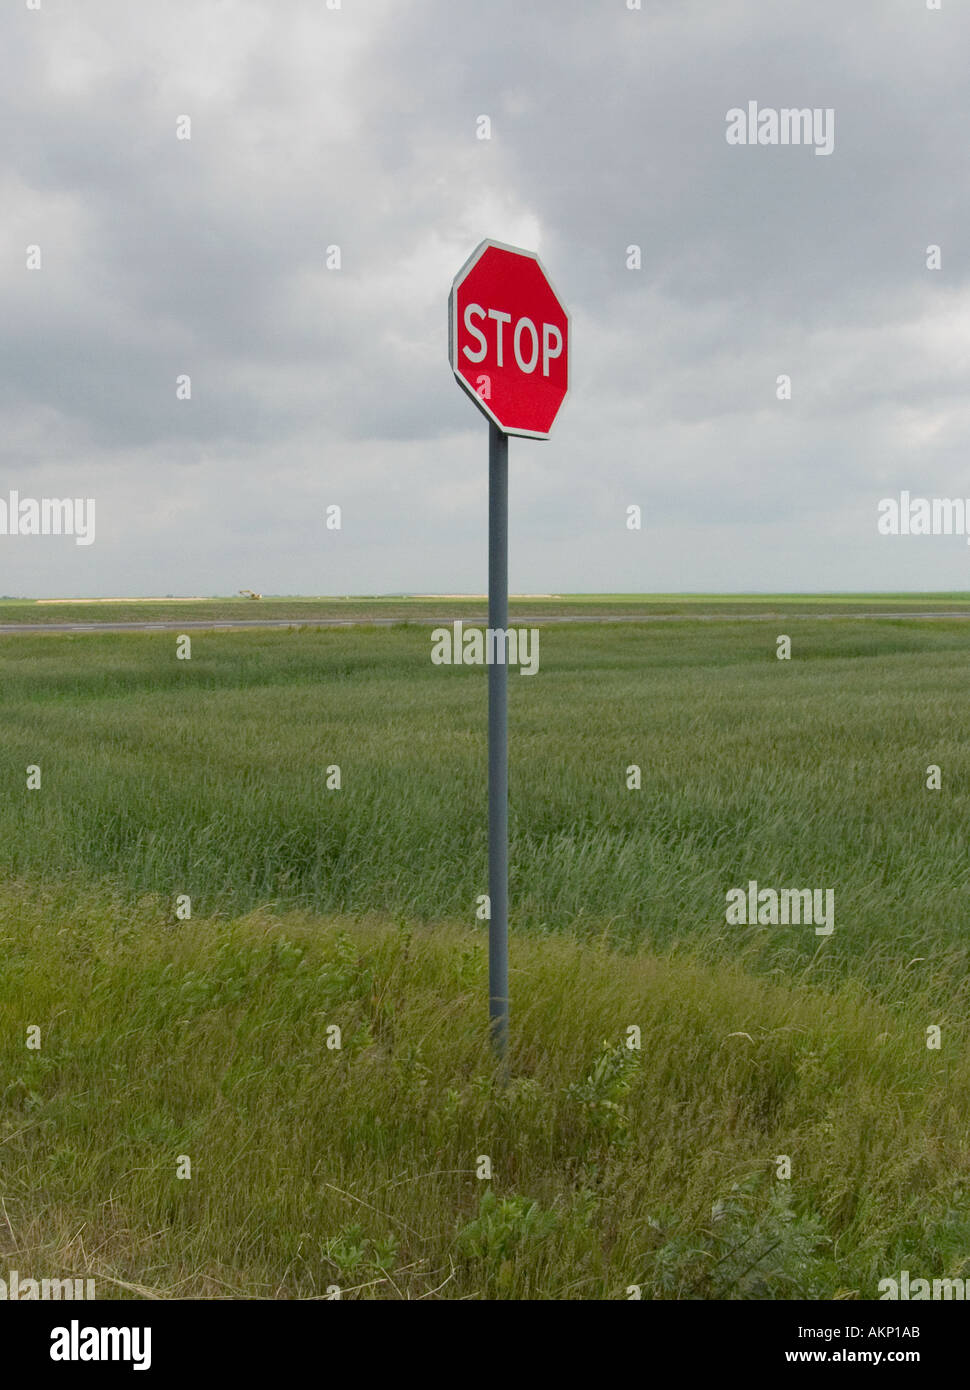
(357, 1167)
(427, 608)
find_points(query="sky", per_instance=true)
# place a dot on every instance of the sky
(357, 125)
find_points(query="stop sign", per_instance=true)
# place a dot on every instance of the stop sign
(508, 339)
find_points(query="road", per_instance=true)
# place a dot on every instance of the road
(516, 620)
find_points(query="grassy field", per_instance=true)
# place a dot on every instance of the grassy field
(356, 1167)
(417, 608)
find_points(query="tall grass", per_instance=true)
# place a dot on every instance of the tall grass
(208, 777)
(359, 1168)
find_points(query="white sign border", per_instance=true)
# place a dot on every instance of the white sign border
(456, 284)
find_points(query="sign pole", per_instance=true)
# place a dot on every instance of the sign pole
(508, 332)
(498, 741)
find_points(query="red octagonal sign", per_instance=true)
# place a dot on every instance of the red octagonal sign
(508, 339)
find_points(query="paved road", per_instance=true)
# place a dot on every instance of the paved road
(516, 620)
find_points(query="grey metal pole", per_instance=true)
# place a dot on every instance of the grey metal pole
(498, 741)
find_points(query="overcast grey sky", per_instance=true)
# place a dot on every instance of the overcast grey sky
(357, 127)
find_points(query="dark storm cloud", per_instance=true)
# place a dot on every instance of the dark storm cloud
(313, 127)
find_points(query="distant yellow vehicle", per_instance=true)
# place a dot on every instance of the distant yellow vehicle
(249, 593)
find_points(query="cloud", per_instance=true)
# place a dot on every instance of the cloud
(356, 127)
